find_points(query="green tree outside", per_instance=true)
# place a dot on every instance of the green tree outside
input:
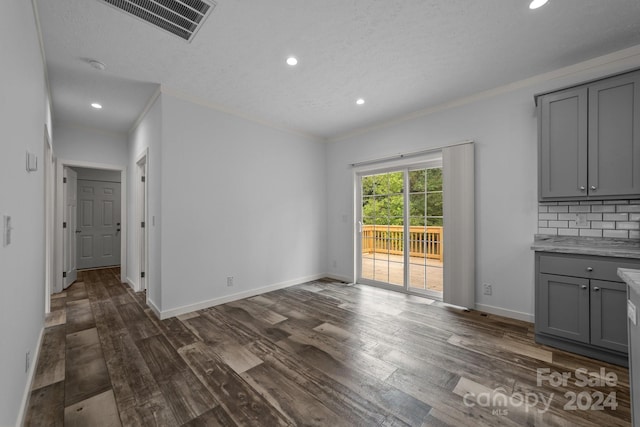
(382, 198)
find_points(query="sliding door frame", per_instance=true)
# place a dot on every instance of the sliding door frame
(430, 160)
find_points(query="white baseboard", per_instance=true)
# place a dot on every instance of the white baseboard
(340, 278)
(234, 297)
(518, 315)
(132, 284)
(32, 373)
(154, 308)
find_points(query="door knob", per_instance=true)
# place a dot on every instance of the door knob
(582, 188)
(593, 187)
(78, 231)
(589, 269)
(584, 286)
(596, 289)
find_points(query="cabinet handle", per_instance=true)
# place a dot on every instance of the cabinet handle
(596, 289)
(584, 286)
(582, 188)
(593, 187)
(589, 269)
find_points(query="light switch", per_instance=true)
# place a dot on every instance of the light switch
(631, 311)
(6, 230)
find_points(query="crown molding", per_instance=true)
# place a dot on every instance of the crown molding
(145, 110)
(625, 58)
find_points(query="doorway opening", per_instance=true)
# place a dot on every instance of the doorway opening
(401, 228)
(99, 220)
(90, 232)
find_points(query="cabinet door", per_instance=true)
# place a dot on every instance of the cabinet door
(614, 137)
(562, 307)
(609, 315)
(563, 144)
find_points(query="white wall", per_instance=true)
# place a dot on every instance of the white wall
(77, 143)
(146, 136)
(22, 266)
(238, 199)
(504, 128)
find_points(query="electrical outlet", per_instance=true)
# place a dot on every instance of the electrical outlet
(27, 361)
(581, 220)
(487, 290)
(230, 281)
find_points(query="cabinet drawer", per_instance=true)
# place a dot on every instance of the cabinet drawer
(589, 267)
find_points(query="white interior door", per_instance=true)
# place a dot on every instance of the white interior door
(98, 224)
(70, 186)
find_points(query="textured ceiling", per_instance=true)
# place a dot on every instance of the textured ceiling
(399, 55)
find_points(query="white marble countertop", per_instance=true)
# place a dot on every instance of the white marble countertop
(621, 248)
(631, 278)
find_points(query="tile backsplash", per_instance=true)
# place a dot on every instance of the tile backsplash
(609, 218)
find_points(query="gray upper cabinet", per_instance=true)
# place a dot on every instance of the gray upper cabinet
(590, 140)
(614, 136)
(563, 144)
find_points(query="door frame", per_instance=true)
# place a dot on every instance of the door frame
(58, 256)
(70, 219)
(49, 219)
(142, 214)
(431, 159)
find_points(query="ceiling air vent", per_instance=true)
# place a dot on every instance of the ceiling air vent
(182, 18)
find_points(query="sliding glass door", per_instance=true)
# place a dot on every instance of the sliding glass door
(401, 229)
(425, 230)
(382, 228)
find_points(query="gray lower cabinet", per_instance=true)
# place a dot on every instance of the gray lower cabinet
(609, 315)
(581, 305)
(589, 140)
(564, 307)
(634, 358)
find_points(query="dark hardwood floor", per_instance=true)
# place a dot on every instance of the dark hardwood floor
(321, 353)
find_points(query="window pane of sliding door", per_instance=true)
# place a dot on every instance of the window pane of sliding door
(382, 238)
(434, 232)
(425, 230)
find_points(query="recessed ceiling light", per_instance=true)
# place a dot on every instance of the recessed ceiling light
(97, 64)
(360, 101)
(96, 105)
(537, 3)
(292, 61)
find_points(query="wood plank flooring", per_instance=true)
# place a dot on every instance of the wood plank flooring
(318, 354)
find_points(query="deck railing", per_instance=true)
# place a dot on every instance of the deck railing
(389, 239)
